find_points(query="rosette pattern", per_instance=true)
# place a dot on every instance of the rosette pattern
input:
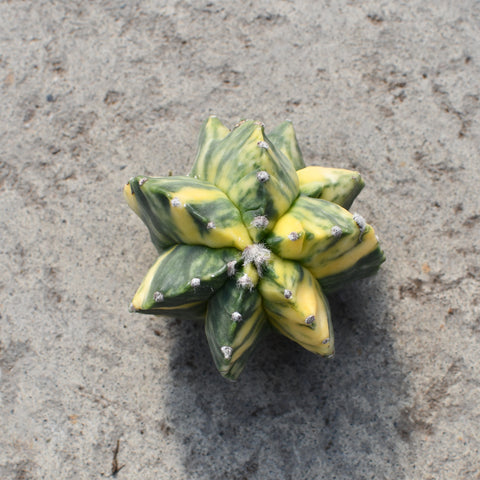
(252, 239)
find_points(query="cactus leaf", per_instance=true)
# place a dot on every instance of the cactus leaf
(336, 185)
(234, 167)
(211, 133)
(284, 138)
(303, 314)
(186, 210)
(327, 238)
(234, 324)
(183, 275)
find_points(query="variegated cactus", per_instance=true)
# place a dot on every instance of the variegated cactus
(252, 239)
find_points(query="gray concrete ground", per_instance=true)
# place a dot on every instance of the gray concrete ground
(95, 92)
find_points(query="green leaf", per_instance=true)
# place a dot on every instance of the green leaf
(186, 210)
(234, 324)
(335, 185)
(183, 276)
(284, 138)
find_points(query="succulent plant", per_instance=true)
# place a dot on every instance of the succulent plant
(252, 239)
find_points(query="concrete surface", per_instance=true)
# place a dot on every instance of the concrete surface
(95, 92)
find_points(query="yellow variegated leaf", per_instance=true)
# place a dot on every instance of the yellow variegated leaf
(284, 138)
(323, 236)
(186, 210)
(211, 132)
(336, 185)
(296, 306)
(258, 178)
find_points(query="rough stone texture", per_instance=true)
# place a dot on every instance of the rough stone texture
(95, 92)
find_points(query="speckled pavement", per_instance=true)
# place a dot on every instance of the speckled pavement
(95, 92)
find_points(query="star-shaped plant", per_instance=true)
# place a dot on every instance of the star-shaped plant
(251, 239)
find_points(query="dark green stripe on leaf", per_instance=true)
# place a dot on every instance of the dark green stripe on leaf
(154, 196)
(284, 138)
(365, 267)
(170, 278)
(224, 332)
(211, 133)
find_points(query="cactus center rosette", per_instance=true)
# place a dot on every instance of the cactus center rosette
(252, 239)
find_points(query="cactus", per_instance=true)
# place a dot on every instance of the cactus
(252, 239)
